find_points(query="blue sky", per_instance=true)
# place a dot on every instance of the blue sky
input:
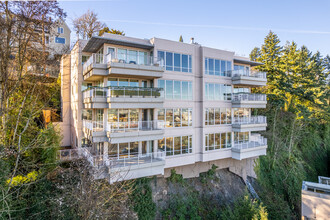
(235, 25)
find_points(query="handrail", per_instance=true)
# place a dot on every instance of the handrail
(132, 126)
(115, 57)
(250, 120)
(123, 91)
(122, 160)
(93, 125)
(249, 97)
(249, 73)
(254, 141)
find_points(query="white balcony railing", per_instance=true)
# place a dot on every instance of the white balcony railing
(93, 125)
(250, 120)
(122, 160)
(124, 92)
(249, 73)
(95, 58)
(115, 127)
(249, 97)
(255, 141)
(137, 59)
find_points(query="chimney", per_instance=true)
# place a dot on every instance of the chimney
(192, 40)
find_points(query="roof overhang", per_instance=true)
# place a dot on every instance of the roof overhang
(247, 62)
(96, 42)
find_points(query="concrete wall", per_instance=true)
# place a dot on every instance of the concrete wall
(315, 205)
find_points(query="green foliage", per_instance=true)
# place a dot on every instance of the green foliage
(180, 39)
(210, 174)
(245, 208)
(176, 178)
(142, 199)
(110, 31)
(183, 207)
(298, 123)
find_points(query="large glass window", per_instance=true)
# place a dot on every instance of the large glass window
(179, 117)
(179, 90)
(216, 116)
(176, 145)
(217, 91)
(217, 67)
(175, 61)
(216, 141)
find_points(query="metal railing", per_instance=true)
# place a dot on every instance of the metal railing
(94, 58)
(67, 154)
(254, 141)
(122, 91)
(115, 127)
(250, 120)
(122, 160)
(249, 73)
(249, 97)
(95, 92)
(93, 125)
(138, 59)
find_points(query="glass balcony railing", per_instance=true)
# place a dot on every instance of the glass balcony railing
(250, 120)
(249, 73)
(116, 127)
(249, 97)
(124, 92)
(254, 141)
(94, 126)
(123, 160)
(137, 59)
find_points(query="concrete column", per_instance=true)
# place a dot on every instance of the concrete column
(105, 119)
(140, 147)
(105, 150)
(155, 148)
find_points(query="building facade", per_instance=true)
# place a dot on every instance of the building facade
(137, 107)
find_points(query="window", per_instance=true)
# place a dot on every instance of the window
(217, 116)
(178, 90)
(175, 61)
(60, 30)
(169, 61)
(60, 40)
(179, 117)
(215, 141)
(217, 67)
(218, 91)
(46, 39)
(176, 145)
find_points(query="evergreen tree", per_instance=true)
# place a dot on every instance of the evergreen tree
(255, 54)
(180, 39)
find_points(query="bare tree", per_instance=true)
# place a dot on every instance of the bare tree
(87, 25)
(23, 94)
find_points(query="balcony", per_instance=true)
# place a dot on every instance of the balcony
(123, 97)
(126, 167)
(249, 100)
(249, 78)
(135, 128)
(115, 64)
(256, 146)
(253, 123)
(120, 168)
(94, 131)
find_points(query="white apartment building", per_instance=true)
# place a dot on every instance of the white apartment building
(141, 107)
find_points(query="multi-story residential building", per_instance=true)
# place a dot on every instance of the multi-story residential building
(141, 107)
